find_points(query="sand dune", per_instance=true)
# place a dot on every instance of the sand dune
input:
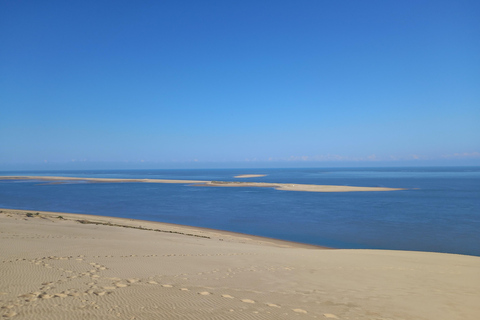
(203, 183)
(69, 266)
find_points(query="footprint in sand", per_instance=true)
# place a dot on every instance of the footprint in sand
(10, 306)
(299, 310)
(273, 305)
(247, 301)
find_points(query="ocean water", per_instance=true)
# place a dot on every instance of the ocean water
(439, 211)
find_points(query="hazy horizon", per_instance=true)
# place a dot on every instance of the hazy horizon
(240, 165)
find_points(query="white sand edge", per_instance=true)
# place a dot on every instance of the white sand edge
(250, 175)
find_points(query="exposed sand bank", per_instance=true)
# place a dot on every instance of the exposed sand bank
(296, 187)
(277, 186)
(250, 175)
(105, 180)
(55, 267)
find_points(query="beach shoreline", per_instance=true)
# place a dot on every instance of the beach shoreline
(157, 226)
(76, 266)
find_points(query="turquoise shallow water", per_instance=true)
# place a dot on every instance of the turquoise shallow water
(439, 212)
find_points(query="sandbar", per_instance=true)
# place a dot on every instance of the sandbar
(203, 183)
(250, 175)
(72, 266)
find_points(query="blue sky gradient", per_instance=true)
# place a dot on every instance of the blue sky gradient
(161, 84)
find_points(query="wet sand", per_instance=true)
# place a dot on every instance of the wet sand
(72, 266)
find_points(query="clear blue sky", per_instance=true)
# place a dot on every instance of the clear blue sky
(239, 83)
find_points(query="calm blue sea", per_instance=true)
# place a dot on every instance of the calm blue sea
(439, 212)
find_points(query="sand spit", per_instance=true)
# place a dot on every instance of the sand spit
(71, 266)
(250, 175)
(202, 183)
(295, 187)
(104, 180)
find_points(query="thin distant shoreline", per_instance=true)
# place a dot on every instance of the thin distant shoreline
(204, 183)
(250, 175)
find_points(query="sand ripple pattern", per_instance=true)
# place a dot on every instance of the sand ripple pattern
(80, 284)
(62, 269)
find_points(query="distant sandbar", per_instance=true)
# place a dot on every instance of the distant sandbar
(203, 183)
(250, 175)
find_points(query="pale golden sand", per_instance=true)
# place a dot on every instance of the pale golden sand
(277, 186)
(58, 268)
(250, 175)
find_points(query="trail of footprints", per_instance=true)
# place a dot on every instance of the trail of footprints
(39, 261)
(226, 296)
(109, 285)
(47, 289)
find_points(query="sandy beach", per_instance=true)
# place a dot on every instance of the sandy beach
(203, 183)
(71, 266)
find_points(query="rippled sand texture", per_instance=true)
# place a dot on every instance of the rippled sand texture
(55, 267)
